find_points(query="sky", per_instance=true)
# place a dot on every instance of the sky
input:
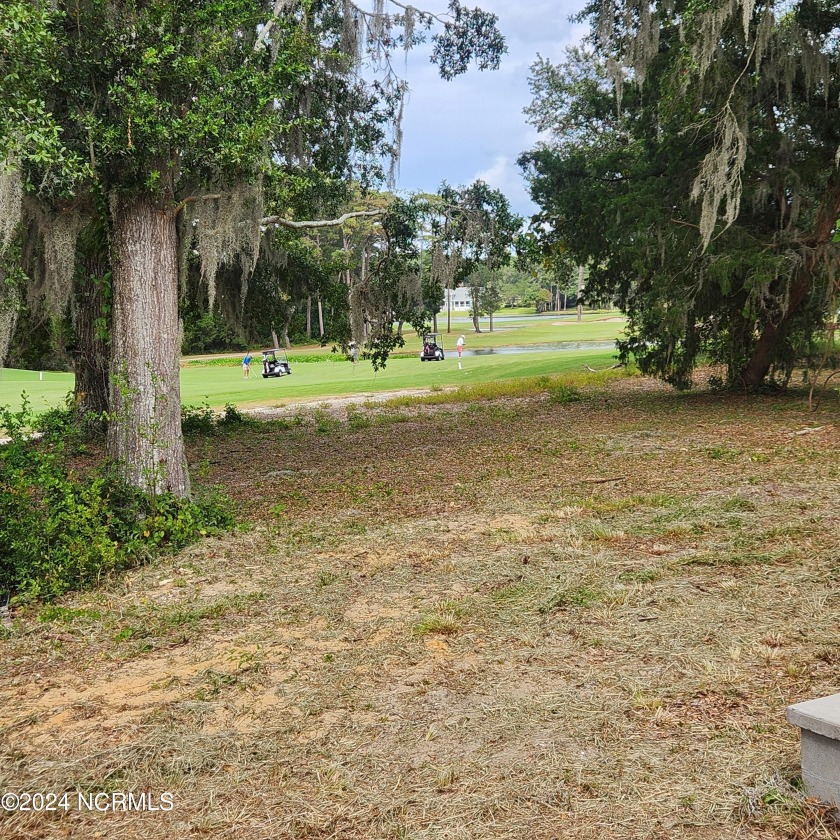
(473, 127)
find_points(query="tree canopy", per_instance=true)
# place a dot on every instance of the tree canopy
(690, 160)
(183, 125)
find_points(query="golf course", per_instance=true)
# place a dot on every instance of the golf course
(419, 422)
(319, 373)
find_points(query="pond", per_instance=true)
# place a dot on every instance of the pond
(551, 347)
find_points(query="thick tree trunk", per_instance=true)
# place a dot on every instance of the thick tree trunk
(764, 351)
(434, 322)
(491, 322)
(320, 318)
(91, 355)
(145, 432)
(476, 325)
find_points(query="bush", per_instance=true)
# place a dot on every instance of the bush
(564, 394)
(197, 420)
(233, 417)
(70, 423)
(61, 531)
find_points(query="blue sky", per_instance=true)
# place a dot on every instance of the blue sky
(473, 127)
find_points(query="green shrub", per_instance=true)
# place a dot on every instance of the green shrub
(60, 530)
(197, 420)
(69, 423)
(564, 394)
(233, 417)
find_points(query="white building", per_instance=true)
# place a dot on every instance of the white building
(461, 299)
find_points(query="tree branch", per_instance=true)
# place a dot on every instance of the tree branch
(193, 198)
(265, 32)
(307, 225)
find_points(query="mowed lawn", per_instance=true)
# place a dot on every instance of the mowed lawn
(567, 615)
(217, 385)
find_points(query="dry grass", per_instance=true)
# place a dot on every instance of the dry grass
(444, 623)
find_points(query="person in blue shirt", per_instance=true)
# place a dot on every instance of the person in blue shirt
(246, 366)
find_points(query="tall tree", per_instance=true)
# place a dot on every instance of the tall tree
(175, 112)
(692, 165)
(472, 227)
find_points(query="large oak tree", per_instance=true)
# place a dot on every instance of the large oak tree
(170, 114)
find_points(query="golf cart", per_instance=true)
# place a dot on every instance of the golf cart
(272, 366)
(432, 348)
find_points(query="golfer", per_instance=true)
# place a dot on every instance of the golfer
(459, 346)
(246, 365)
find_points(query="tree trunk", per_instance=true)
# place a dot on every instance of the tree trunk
(400, 327)
(309, 317)
(145, 432)
(320, 318)
(825, 224)
(287, 321)
(475, 322)
(92, 324)
(434, 322)
(579, 290)
(491, 322)
(764, 351)
(448, 307)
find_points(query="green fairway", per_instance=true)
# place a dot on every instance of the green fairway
(43, 393)
(220, 384)
(509, 328)
(529, 329)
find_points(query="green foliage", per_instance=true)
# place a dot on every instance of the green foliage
(208, 332)
(69, 424)
(232, 416)
(201, 421)
(564, 394)
(197, 420)
(619, 192)
(60, 530)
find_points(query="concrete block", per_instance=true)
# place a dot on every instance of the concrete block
(819, 721)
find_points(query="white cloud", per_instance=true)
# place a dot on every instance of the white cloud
(504, 175)
(473, 126)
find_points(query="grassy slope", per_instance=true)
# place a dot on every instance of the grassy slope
(511, 619)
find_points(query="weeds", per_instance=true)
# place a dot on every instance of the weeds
(566, 386)
(573, 596)
(60, 530)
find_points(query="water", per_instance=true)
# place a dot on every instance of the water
(553, 347)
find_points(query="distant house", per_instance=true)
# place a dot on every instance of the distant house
(461, 299)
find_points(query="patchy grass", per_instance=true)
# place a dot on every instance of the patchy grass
(491, 616)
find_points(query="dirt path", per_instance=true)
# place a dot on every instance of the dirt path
(523, 621)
